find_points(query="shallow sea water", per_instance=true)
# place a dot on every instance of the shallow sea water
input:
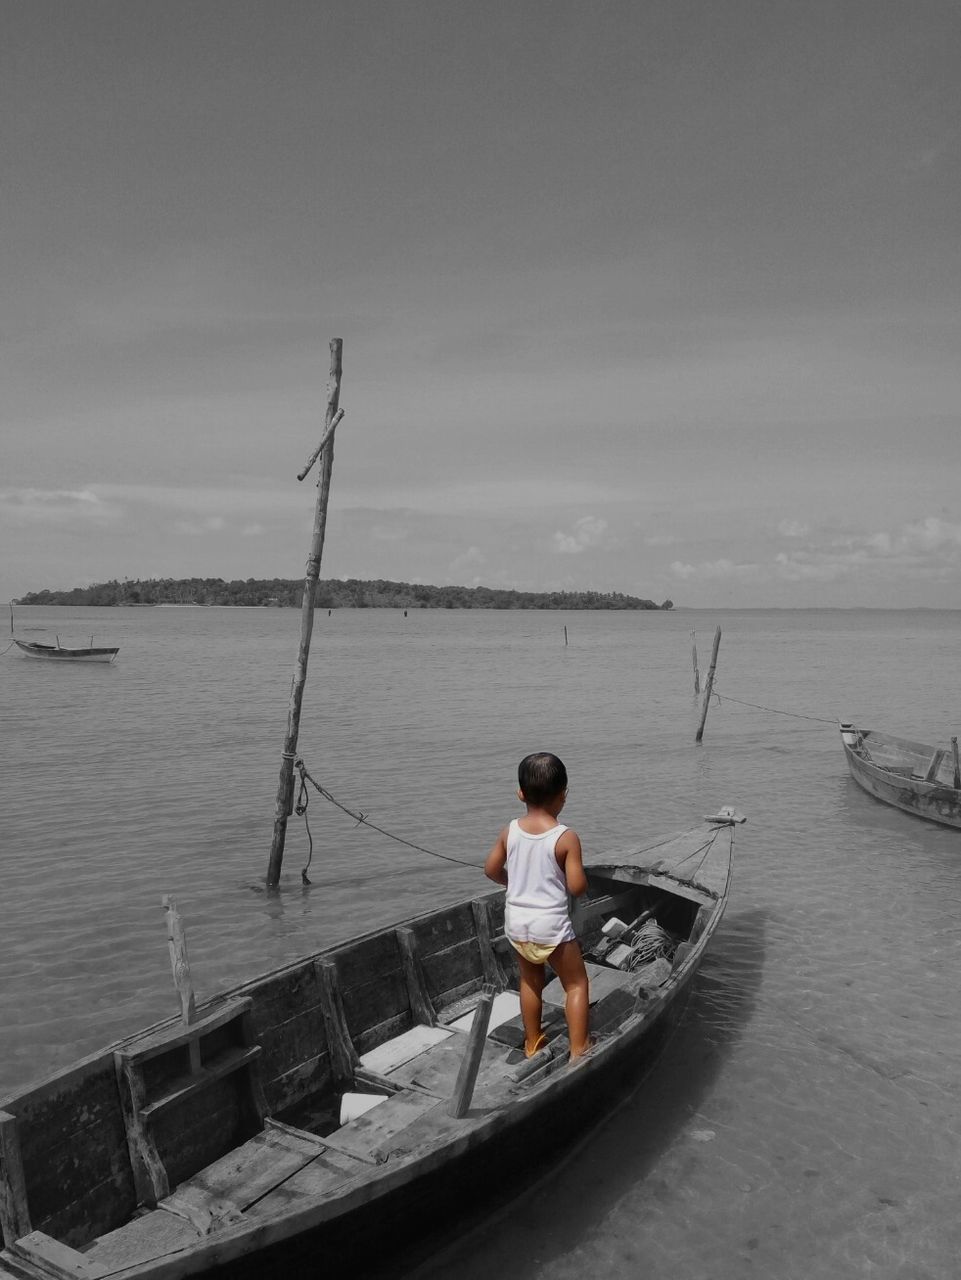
(805, 1120)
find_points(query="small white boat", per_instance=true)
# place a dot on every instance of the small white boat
(62, 653)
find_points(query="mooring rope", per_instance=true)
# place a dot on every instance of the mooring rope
(362, 819)
(723, 697)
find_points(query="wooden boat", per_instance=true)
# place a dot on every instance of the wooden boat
(238, 1144)
(62, 653)
(913, 776)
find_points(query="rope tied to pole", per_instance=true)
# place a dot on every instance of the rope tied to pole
(362, 819)
(774, 711)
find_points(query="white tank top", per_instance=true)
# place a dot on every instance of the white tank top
(536, 888)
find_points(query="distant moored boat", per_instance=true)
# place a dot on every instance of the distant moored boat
(62, 653)
(912, 776)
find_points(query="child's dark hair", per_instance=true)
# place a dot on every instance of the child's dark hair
(541, 777)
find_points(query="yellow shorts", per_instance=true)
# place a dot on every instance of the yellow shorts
(535, 952)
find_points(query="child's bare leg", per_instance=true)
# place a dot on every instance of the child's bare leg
(531, 986)
(568, 963)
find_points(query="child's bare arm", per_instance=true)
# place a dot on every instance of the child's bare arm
(568, 853)
(495, 868)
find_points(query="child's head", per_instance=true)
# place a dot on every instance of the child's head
(541, 777)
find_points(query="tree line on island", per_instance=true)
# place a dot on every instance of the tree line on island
(332, 593)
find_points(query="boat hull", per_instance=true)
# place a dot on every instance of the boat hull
(893, 770)
(443, 1204)
(216, 1128)
(55, 653)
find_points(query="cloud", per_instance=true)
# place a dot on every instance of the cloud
(388, 533)
(716, 570)
(793, 529)
(200, 528)
(930, 547)
(661, 540)
(466, 566)
(56, 507)
(588, 531)
(232, 498)
(252, 531)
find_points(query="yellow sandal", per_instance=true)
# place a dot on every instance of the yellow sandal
(539, 1044)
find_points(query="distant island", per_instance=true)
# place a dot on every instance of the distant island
(332, 593)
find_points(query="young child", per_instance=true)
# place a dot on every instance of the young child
(539, 860)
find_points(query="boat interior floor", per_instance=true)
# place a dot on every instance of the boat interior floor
(286, 1166)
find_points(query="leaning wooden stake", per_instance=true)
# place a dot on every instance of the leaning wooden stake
(697, 678)
(285, 786)
(177, 942)
(957, 764)
(470, 1063)
(708, 688)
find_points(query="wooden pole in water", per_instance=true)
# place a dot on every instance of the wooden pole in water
(565, 636)
(285, 786)
(957, 764)
(697, 678)
(708, 688)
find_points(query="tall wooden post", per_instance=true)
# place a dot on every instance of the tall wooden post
(708, 688)
(957, 764)
(697, 677)
(285, 786)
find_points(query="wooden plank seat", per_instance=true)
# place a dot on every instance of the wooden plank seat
(370, 1136)
(393, 1053)
(194, 1062)
(434, 1072)
(507, 1005)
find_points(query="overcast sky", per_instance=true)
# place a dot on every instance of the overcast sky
(658, 296)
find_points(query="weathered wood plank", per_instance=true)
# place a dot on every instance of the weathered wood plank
(422, 1010)
(288, 1045)
(602, 981)
(382, 1031)
(452, 967)
(308, 1078)
(444, 928)
(14, 1212)
(167, 1038)
(369, 1137)
(471, 1057)
(142, 1239)
(357, 961)
(248, 1172)
(386, 1057)
(435, 1070)
(384, 996)
(202, 1129)
(491, 967)
(224, 1064)
(55, 1259)
(332, 1169)
(205, 1212)
(281, 996)
(149, 1174)
(935, 765)
(101, 1208)
(343, 1055)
